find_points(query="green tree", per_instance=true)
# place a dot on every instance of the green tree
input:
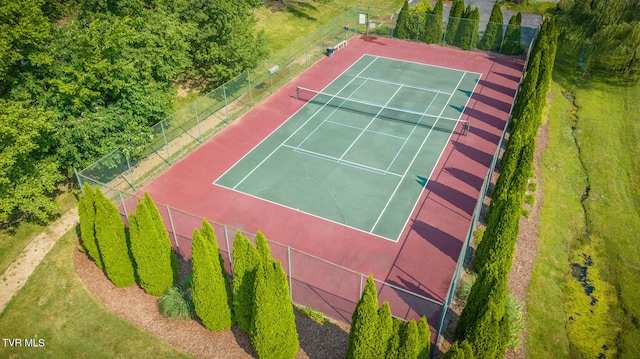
(28, 173)
(151, 248)
(87, 214)
(273, 328)
(393, 345)
(364, 322)
(25, 31)
(512, 36)
(459, 350)
(424, 339)
(455, 14)
(245, 264)
(410, 346)
(226, 42)
(433, 24)
(385, 328)
(467, 35)
(402, 24)
(210, 288)
(492, 38)
(113, 243)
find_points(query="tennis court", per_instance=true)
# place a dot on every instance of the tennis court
(360, 152)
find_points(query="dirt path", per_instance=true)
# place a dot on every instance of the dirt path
(15, 277)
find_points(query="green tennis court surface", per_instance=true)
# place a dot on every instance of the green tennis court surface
(360, 152)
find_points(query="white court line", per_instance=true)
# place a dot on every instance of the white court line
(296, 131)
(416, 155)
(284, 122)
(360, 128)
(425, 89)
(370, 122)
(341, 161)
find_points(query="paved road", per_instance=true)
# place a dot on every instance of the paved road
(531, 21)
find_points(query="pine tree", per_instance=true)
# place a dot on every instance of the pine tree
(209, 283)
(492, 37)
(433, 24)
(87, 213)
(385, 328)
(273, 328)
(424, 339)
(410, 346)
(151, 248)
(457, 9)
(112, 241)
(393, 345)
(364, 322)
(511, 44)
(402, 24)
(459, 350)
(245, 263)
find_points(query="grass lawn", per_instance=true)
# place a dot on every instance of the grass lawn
(13, 241)
(584, 288)
(283, 26)
(55, 306)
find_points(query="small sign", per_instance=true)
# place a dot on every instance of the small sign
(372, 25)
(363, 18)
(274, 69)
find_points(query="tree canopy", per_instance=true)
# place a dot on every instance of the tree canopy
(88, 76)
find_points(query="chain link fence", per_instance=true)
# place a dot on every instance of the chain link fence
(314, 282)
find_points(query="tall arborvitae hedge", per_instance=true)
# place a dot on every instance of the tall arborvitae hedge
(113, 243)
(209, 282)
(151, 248)
(273, 328)
(393, 345)
(409, 345)
(385, 328)
(456, 12)
(87, 214)
(401, 30)
(433, 25)
(363, 342)
(483, 323)
(459, 350)
(492, 38)
(424, 338)
(511, 44)
(467, 34)
(245, 264)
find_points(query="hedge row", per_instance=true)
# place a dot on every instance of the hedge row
(421, 23)
(376, 334)
(483, 325)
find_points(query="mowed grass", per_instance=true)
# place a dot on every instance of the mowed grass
(285, 25)
(55, 306)
(14, 240)
(563, 319)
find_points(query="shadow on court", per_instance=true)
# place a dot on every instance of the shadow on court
(473, 153)
(509, 91)
(445, 242)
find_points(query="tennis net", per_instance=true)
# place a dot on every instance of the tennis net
(383, 112)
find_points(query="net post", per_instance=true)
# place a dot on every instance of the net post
(173, 229)
(467, 128)
(297, 92)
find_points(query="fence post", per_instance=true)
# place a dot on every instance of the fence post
(226, 105)
(133, 182)
(290, 273)
(79, 181)
(166, 144)
(306, 51)
(195, 109)
(250, 94)
(226, 238)
(124, 206)
(360, 295)
(173, 229)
